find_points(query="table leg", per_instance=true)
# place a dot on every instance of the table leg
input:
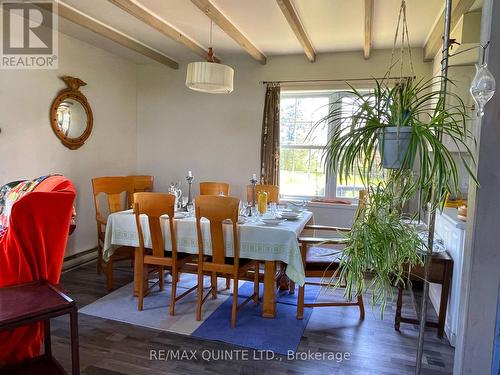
(269, 300)
(399, 304)
(443, 305)
(75, 356)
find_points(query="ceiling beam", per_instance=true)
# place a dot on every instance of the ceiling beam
(216, 16)
(100, 28)
(293, 19)
(435, 40)
(160, 25)
(368, 28)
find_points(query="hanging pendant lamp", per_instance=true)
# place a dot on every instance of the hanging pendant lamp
(209, 76)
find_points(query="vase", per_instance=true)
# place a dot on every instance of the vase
(393, 143)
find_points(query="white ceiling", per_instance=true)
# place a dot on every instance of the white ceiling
(332, 25)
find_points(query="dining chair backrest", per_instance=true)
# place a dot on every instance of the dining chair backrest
(112, 188)
(154, 205)
(217, 209)
(273, 192)
(214, 188)
(140, 184)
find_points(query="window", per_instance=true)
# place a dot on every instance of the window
(302, 170)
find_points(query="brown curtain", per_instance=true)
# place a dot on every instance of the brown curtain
(270, 141)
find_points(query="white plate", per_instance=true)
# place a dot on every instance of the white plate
(273, 222)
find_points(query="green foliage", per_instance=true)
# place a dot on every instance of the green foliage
(353, 142)
(382, 241)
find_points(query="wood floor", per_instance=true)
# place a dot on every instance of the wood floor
(108, 347)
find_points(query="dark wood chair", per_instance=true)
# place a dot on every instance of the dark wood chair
(219, 209)
(113, 188)
(34, 302)
(154, 205)
(320, 261)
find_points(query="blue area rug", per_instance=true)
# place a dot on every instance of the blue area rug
(280, 335)
(286, 297)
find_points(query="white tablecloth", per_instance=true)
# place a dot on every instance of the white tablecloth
(256, 240)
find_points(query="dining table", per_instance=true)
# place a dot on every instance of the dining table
(258, 241)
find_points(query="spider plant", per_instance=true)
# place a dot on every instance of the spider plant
(356, 139)
(383, 242)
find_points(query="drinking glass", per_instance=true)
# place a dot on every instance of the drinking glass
(190, 209)
(255, 214)
(273, 209)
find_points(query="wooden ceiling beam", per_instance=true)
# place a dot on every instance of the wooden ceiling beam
(160, 25)
(293, 20)
(75, 16)
(368, 28)
(232, 31)
(435, 40)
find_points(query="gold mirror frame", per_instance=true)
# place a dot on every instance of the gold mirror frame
(71, 92)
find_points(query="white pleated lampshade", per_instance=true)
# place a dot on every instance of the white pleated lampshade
(210, 77)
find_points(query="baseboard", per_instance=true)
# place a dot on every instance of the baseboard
(79, 259)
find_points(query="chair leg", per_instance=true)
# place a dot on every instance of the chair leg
(300, 302)
(228, 282)
(213, 285)
(99, 259)
(140, 273)
(361, 307)
(256, 284)
(200, 293)
(234, 309)
(109, 274)
(173, 293)
(292, 287)
(161, 278)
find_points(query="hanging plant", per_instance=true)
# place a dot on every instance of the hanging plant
(401, 124)
(384, 242)
(394, 131)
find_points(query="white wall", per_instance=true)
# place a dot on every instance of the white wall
(29, 148)
(218, 136)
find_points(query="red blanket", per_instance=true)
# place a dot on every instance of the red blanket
(32, 249)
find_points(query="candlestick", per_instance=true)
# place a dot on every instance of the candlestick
(254, 184)
(189, 179)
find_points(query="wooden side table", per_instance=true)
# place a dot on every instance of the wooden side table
(440, 273)
(34, 302)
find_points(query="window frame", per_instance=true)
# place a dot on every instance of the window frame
(331, 177)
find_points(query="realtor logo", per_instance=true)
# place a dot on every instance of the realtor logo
(29, 34)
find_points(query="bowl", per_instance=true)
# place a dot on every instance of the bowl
(291, 215)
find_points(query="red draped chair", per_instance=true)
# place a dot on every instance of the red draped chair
(31, 249)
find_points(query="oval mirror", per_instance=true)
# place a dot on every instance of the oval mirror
(70, 115)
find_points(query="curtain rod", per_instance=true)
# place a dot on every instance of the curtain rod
(334, 80)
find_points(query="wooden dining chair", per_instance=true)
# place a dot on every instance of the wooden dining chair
(214, 188)
(273, 192)
(219, 210)
(113, 188)
(325, 262)
(140, 183)
(154, 205)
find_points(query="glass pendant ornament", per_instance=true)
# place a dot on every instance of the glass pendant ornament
(482, 87)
